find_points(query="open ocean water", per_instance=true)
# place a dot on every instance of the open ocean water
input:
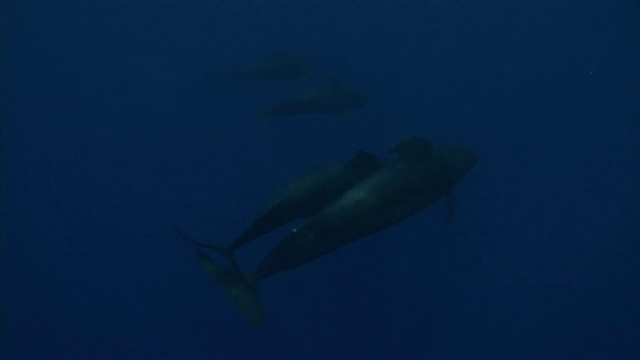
(114, 131)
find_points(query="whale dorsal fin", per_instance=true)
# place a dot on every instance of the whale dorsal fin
(364, 163)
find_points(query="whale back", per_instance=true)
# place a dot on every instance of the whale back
(414, 148)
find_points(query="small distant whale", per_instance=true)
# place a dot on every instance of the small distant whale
(420, 175)
(306, 196)
(336, 98)
(280, 65)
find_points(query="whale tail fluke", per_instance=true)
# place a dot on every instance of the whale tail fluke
(238, 289)
(224, 251)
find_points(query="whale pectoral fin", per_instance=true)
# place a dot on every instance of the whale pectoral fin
(242, 294)
(451, 207)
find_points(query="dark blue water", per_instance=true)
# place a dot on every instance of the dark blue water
(113, 133)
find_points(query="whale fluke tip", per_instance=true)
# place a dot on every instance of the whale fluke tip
(242, 294)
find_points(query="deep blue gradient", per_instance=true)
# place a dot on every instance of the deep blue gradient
(113, 132)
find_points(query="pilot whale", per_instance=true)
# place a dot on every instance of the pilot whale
(335, 98)
(305, 196)
(421, 175)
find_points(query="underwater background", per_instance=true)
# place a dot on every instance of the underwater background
(114, 133)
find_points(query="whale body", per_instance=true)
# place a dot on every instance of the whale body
(421, 175)
(335, 98)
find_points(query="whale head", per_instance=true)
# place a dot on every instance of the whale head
(459, 160)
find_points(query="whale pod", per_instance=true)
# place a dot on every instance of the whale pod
(419, 176)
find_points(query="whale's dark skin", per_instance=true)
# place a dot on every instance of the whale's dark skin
(305, 196)
(336, 98)
(420, 175)
(279, 65)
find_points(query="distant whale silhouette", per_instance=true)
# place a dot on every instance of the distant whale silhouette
(336, 98)
(420, 175)
(280, 65)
